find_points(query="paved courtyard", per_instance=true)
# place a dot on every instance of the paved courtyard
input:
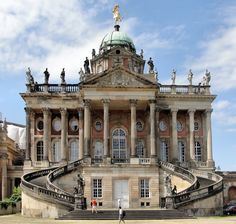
(18, 219)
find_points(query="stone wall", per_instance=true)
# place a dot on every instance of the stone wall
(11, 209)
(33, 207)
(210, 206)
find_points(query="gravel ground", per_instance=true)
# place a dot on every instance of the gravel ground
(18, 219)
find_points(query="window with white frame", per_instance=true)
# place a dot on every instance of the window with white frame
(74, 150)
(164, 151)
(119, 144)
(97, 188)
(198, 151)
(144, 188)
(39, 150)
(181, 151)
(56, 151)
(140, 148)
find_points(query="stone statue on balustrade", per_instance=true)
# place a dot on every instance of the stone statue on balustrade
(86, 66)
(29, 77)
(82, 75)
(141, 53)
(156, 75)
(206, 78)
(151, 65)
(93, 53)
(46, 76)
(190, 77)
(168, 185)
(81, 184)
(173, 76)
(63, 76)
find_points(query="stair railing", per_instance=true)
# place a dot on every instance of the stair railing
(42, 193)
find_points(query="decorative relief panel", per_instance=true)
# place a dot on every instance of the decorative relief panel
(119, 79)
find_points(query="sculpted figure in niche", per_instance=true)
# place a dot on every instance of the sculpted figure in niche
(190, 77)
(29, 77)
(46, 76)
(151, 65)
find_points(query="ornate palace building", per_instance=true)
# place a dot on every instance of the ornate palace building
(130, 138)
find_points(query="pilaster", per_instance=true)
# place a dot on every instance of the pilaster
(133, 104)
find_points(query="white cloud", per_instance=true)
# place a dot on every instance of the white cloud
(223, 104)
(53, 34)
(218, 55)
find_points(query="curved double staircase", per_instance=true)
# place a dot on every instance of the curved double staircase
(40, 185)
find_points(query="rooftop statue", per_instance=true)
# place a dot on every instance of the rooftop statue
(46, 76)
(141, 53)
(173, 76)
(206, 78)
(29, 77)
(151, 65)
(86, 66)
(82, 75)
(190, 77)
(63, 76)
(156, 75)
(93, 53)
(116, 14)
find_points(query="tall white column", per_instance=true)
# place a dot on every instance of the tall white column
(191, 134)
(133, 104)
(28, 135)
(210, 161)
(64, 148)
(174, 135)
(87, 120)
(81, 133)
(3, 158)
(46, 134)
(152, 105)
(106, 126)
(157, 132)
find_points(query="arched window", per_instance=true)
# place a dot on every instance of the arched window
(40, 151)
(164, 151)
(181, 151)
(98, 153)
(74, 151)
(198, 151)
(56, 151)
(140, 148)
(119, 144)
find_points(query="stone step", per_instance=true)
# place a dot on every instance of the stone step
(130, 215)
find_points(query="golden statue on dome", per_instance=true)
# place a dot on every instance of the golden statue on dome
(116, 14)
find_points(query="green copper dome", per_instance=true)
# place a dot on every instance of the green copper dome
(117, 38)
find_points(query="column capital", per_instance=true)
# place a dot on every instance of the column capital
(133, 102)
(87, 102)
(174, 110)
(3, 155)
(152, 101)
(46, 110)
(191, 110)
(207, 111)
(63, 111)
(28, 110)
(105, 101)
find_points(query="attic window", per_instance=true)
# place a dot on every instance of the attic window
(117, 51)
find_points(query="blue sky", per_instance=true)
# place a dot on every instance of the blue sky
(177, 34)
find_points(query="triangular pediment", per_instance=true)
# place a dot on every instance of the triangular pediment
(119, 78)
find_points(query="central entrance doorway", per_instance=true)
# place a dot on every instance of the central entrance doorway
(120, 193)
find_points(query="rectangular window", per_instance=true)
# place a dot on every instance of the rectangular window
(97, 188)
(144, 188)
